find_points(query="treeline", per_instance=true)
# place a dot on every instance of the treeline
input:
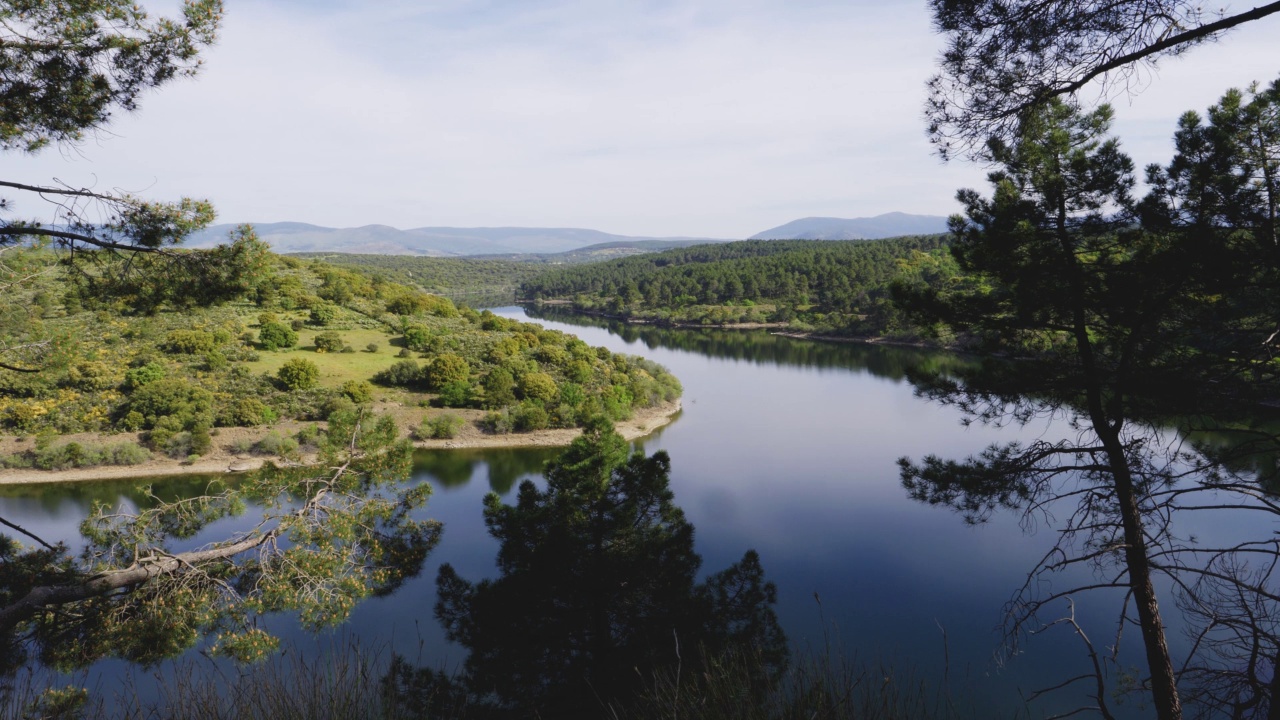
(835, 286)
(445, 276)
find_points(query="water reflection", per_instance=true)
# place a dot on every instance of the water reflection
(884, 361)
(503, 466)
(55, 498)
(786, 446)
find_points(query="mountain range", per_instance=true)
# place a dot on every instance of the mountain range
(295, 237)
(894, 224)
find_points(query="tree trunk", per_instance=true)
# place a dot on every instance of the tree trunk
(1164, 688)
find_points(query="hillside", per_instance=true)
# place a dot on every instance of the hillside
(258, 376)
(888, 225)
(294, 237)
(834, 286)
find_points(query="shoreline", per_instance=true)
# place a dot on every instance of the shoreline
(656, 323)
(780, 327)
(221, 461)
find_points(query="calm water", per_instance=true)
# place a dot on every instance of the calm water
(785, 446)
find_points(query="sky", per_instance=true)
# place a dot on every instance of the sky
(705, 118)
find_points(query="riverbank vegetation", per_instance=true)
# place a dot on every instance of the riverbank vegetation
(304, 340)
(834, 287)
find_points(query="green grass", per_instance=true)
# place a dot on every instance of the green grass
(335, 368)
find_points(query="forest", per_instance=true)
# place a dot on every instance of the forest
(837, 287)
(302, 341)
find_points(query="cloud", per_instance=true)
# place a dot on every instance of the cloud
(644, 117)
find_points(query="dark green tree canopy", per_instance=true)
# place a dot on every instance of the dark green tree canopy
(1004, 57)
(597, 588)
(66, 66)
(1129, 318)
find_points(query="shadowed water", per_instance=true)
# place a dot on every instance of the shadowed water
(785, 446)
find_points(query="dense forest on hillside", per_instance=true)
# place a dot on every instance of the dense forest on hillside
(496, 276)
(304, 340)
(443, 276)
(839, 287)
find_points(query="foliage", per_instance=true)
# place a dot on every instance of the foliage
(323, 313)
(404, 373)
(68, 68)
(439, 275)
(597, 581)
(499, 388)
(171, 397)
(440, 427)
(325, 541)
(1122, 326)
(841, 286)
(539, 386)
(358, 391)
(188, 342)
(277, 444)
(421, 304)
(299, 374)
(1004, 58)
(444, 369)
(77, 455)
(276, 336)
(329, 342)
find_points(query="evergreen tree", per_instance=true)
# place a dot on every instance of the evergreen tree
(597, 588)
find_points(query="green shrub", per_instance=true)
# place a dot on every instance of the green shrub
(539, 386)
(188, 342)
(404, 353)
(275, 335)
(187, 403)
(91, 375)
(333, 404)
(422, 304)
(405, 373)
(530, 415)
(442, 427)
(139, 376)
(359, 391)
(497, 422)
(371, 348)
(323, 313)
(457, 394)
(215, 361)
(499, 388)
(246, 412)
(444, 369)
(201, 441)
(178, 446)
(310, 436)
(417, 338)
(329, 342)
(76, 455)
(299, 374)
(274, 443)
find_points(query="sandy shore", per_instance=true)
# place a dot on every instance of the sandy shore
(223, 460)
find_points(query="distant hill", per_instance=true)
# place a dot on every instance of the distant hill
(894, 224)
(293, 237)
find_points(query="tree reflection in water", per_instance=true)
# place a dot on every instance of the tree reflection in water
(596, 592)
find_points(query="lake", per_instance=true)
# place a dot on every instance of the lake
(785, 446)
